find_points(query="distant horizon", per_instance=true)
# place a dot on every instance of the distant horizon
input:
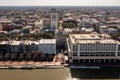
(59, 3)
(59, 6)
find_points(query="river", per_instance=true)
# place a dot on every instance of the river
(60, 74)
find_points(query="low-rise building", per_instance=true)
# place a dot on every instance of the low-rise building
(103, 30)
(68, 30)
(113, 31)
(46, 46)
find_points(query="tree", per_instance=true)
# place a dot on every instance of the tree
(114, 36)
(68, 25)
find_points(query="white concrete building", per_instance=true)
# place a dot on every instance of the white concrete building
(92, 48)
(104, 30)
(47, 46)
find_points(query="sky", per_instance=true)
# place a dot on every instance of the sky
(59, 2)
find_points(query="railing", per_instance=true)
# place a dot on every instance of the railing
(96, 57)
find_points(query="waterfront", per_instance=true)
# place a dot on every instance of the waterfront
(31, 38)
(60, 74)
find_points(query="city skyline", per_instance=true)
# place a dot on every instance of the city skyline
(60, 3)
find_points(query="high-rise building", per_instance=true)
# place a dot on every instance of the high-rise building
(54, 19)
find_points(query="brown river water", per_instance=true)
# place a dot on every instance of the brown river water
(60, 74)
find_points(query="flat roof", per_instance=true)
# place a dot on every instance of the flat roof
(47, 41)
(42, 41)
(85, 36)
(95, 41)
(91, 38)
(103, 26)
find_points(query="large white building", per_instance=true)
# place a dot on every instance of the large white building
(46, 46)
(93, 48)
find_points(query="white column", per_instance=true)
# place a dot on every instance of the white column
(103, 46)
(92, 47)
(71, 53)
(86, 46)
(99, 46)
(78, 50)
(116, 50)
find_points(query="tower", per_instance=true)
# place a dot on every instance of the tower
(54, 19)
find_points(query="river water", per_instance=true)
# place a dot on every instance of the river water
(60, 74)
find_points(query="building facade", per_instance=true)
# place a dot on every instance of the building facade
(93, 48)
(104, 30)
(46, 46)
(54, 21)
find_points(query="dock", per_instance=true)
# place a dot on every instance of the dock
(30, 65)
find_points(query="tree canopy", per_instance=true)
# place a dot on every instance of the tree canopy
(68, 25)
(31, 36)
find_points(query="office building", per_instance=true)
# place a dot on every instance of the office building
(93, 48)
(54, 20)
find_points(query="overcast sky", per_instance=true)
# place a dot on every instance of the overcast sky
(59, 2)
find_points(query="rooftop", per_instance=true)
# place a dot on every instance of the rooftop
(47, 41)
(42, 41)
(91, 38)
(85, 37)
(104, 27)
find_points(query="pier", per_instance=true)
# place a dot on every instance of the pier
(29, 65)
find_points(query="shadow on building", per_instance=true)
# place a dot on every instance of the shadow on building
(102, 73)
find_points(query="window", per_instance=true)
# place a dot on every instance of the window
(75, 47)
(74, 53)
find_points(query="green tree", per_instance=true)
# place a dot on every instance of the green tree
(68, 25)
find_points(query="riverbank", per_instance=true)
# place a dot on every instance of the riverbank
(30, 65)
